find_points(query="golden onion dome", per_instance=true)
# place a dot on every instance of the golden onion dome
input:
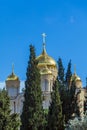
(12, 76)
(45, 71)
(45, 60)
(75, 78)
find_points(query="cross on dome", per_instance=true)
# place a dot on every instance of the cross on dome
(44, 38)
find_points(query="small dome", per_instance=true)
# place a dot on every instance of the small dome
(75, 78)
(45, 60)
(12, 76)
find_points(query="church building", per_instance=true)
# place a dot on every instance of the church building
(48, 70)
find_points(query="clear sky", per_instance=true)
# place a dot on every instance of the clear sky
(23, 21)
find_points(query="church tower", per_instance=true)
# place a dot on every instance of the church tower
(13, 88)
(13, 84)
(79, 93)
(48, 71)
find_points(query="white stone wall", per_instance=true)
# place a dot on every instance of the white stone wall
(17, 104)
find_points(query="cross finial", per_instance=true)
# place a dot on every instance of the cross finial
(44, 38)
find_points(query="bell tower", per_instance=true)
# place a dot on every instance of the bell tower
(12, 84)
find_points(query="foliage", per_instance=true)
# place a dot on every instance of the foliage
(8, 121)
(60, 71)
(55, 117)
(77, 124)
(33, 115)
(63, 81)
(68, 74)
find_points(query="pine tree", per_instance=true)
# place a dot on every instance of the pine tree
(32, 116)
(8, 121)
(68, 74)
(55, 117)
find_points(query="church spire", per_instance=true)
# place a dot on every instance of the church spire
(44, 43)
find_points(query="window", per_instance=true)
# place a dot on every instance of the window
(46, 85)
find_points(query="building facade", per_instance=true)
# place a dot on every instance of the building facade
(79, 94)
(49, 71)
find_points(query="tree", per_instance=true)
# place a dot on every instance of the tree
(55, 117)
(8, 121)
(77, 124)
(60, 71)
(62, 88)
(32, 116)
(68, 74)
(72, 100)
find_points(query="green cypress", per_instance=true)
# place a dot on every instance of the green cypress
(8, 121)
(55, 117)
(68, 74)
(32, 116)
(60, 71)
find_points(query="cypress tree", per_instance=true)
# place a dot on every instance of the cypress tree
(8, 121)
(72, 99)
(62, 86)
(32, 116)
(55, 117)
(68, 74)
(60, 71)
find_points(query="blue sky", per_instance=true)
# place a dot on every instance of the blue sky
(23, 21)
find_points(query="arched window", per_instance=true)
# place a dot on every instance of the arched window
(46, 84)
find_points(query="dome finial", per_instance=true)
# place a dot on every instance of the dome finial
(74, 69)
(12, 68)
(44, 43)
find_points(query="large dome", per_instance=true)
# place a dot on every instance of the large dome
(45, 60)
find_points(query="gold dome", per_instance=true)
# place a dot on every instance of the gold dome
(75, 78)
(12, 76)
(45, 60)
